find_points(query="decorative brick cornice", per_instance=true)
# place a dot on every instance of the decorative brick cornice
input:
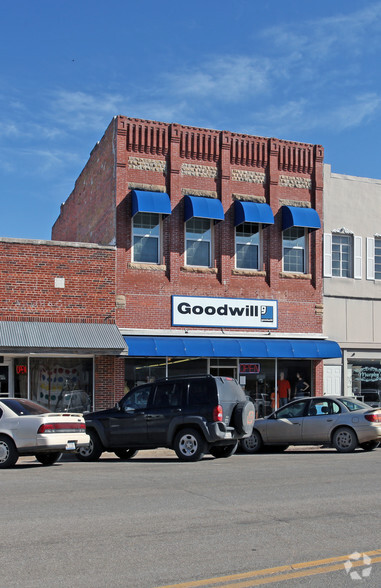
(199, 171)
(145, 164)
(253, 177)
(249, 198)
(295, 182)
(193, 192)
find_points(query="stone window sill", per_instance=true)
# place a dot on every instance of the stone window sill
(295, 276)
(243, 272)
(147, 266)
(198, 270)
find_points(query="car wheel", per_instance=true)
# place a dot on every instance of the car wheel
(223, 450)
(252, 444)
(93, 451)
(345, 440)
(243, 417)
(189, 445)
(8, 452)
(369, 445)
(125, 453)
(48, 458)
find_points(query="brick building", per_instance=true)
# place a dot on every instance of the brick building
(218, 251)
(58, 338)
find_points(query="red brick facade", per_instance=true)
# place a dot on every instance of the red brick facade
(184, 160)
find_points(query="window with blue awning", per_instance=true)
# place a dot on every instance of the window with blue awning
(252, 212)
(297, 216)
(155, 202)
(201, 207)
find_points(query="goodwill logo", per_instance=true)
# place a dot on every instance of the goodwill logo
(202, 311)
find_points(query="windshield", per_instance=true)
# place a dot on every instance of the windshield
(353, 405)
(24, 407)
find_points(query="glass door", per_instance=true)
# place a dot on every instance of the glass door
(4, 381)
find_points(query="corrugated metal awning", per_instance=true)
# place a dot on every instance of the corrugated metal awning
(101, 339)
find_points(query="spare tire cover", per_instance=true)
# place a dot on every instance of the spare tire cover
(243, 417)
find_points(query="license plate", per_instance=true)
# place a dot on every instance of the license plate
(70, 446)
(228, 435)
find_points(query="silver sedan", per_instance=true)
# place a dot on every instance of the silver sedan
(339, 421)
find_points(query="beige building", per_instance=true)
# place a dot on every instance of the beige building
(352, 281)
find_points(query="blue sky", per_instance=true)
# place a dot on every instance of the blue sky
(304, 71)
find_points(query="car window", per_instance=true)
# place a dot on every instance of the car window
(322, 406)
(353, 405)
(296, 409)
(199, 392)
(137, 398)
(167, 394)
(24, 407)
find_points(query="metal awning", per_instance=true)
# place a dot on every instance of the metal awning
(296, 216)
(201, 207)
(252, 212)
(143, 201)
(94, 338)
(231, 347)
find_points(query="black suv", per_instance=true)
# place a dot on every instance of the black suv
(191, 414)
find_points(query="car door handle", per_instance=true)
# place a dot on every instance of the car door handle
(296, 424)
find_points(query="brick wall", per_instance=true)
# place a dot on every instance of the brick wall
(28, 287)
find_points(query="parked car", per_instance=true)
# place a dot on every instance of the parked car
(192, 415)
(73, 401)
(371, 396)
(26, 428)
(342, 422)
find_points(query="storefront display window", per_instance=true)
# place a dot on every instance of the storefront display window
(364, 377)
(21, 377)
(62, 384)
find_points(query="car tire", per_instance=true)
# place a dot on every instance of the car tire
(93, 451)
(125, 453)
(189, 445)
(344, 440)
(48, 459)
(369, 445)
(243, 417)
(223, 450)
(8, 452)
(252, 444)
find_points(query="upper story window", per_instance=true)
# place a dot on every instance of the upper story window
(146, 237)
(247, 246)
(342, 255)
(198, 242)
(373, 258)
(295, 250)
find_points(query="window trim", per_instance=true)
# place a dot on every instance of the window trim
(259, 246)
(211, 243)
(157, 237)
(305, 252)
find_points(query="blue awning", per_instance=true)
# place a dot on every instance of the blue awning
(158, 202)
(231, 347)
(252, 212)
(296, 216)
(203, 208)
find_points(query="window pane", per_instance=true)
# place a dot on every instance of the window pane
(294, 245)
(198, 228)
(377, 259)
(342, 256)
(198, 253)
(247, 256)
(146, 249)
(146, 220)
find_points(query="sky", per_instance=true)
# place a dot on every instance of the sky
(298, 70)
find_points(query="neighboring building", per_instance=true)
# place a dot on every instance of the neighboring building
(352, 281)
(58, 339)
(218, 251)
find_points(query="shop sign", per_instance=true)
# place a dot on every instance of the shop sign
(240, 313)
(249, 368)
(21, 369)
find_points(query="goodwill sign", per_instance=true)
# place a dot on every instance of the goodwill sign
(200, 311)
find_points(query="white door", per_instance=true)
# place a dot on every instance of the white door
(332, 380)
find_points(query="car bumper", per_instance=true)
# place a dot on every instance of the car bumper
(220, 432)
(55, 442)
(368, 433)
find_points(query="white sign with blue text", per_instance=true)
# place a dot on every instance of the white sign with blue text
(242, 313)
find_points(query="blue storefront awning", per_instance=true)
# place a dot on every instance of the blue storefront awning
(143, 201)
(252, 212)
(231, 347)
(295, 216)
(201, 207)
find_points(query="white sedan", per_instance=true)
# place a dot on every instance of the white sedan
(26, 428)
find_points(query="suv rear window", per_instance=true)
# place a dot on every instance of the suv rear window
(229, 389)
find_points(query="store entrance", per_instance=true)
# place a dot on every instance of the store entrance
(4, 381)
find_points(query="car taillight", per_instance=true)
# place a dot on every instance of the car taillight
(217, 413)
(373, 418)
(62, 428)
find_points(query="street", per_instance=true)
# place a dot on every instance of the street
(154, 521)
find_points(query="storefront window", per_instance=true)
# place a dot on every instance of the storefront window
(62, 384)
(140, 370)
(364, 377)
(21, 377)
(178, 366)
